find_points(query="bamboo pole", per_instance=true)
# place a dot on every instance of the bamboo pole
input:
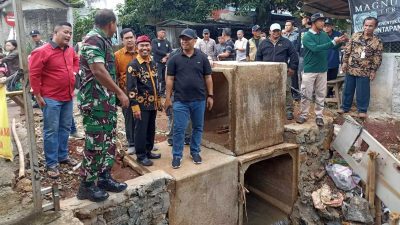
(394, 218)
(378, 211)
(21, 154)
(23, 61)
(372, 181)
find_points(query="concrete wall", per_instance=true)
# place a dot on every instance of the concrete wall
(41, 15)
(145, 201)
(385, 89)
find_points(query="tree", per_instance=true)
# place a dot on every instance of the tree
(138, 13)
(82, 25)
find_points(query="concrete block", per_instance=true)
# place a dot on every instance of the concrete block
(249, 107)
(385, 91)
(270, 174)
(204, 194)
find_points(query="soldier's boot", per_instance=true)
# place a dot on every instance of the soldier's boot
(89, 190)
(106, 182)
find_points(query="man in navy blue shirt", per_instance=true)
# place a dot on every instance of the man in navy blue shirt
(333, 55)
(188, 74)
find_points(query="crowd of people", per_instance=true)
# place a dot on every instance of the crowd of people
(142, 73)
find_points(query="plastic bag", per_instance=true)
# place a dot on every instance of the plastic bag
(5, 134)
(341, 176)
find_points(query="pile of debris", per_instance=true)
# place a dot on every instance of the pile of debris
(332, 193)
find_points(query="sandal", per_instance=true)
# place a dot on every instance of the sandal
(70, 162)
(53, 172)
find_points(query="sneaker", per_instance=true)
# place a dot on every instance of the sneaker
(145, 162)
(289, 116)
(301, 120)
(169, 141)
(131, 150)
(176, 162)
(76, 135)
(319, 122)
(196, 158)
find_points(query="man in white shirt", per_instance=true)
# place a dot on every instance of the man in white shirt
(240, 46)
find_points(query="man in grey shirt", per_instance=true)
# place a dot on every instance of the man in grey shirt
(207, 45)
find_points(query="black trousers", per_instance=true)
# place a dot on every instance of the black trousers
(295, 84)
(129, 126)
(161, 78)
(145, 132)
(331, 75)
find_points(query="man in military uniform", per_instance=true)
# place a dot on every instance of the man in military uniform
(97, 102)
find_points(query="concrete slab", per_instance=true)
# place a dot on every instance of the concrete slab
(204, 194)
(248, 112)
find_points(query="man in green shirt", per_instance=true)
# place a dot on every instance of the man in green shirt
(316, 45)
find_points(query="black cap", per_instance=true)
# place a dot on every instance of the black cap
(188, 33)
(34, 33)
(206, 31)
(317, 16)
(255, 28)
(329, 21)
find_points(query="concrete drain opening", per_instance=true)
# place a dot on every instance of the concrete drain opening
(217, 128)
(248, 110)
(270, 176)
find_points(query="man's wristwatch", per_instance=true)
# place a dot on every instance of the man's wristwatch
(210, 96)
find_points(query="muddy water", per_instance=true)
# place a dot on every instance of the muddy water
(260, 212)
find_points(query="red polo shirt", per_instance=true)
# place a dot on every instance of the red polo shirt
(51, 71)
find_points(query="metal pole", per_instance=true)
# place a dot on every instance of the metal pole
(29, 122)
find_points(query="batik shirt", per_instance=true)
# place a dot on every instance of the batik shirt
(94, 97)
(363, 56)
(142, 85)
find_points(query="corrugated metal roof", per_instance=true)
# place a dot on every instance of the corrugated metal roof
(332, 8)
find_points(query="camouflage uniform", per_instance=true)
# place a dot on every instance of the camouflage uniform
(98, 107)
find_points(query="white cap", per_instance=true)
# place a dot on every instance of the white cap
(275, 26)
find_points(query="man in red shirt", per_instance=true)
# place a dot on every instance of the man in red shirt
(52, 70)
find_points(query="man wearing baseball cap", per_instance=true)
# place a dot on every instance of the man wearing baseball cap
(253, 43)
(279, 49)
(207, 45)
(36, 38)
(189, 73)
(316, 45)
(144, 99)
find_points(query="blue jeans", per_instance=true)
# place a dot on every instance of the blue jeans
(361, 86)
(183, 111)
(57, 119)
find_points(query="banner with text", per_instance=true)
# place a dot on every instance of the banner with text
(387, 12)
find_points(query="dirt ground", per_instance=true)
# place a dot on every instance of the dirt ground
(69, 179)
(387, 131)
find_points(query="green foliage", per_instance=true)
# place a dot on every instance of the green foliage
(82, 25)
(341, 24)
(138, 13)
(76, 3)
